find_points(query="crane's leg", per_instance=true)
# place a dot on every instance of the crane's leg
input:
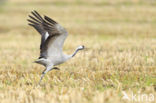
(44, 72)
(41, 78)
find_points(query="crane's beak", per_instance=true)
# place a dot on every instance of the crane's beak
(86, 49)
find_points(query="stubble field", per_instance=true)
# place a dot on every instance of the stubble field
(121, 56)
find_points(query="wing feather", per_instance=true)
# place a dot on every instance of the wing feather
(53, 34)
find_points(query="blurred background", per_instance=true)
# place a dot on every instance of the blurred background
(95, 17)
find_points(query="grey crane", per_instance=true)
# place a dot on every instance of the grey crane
(53, 36)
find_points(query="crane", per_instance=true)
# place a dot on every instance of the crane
(53, 36)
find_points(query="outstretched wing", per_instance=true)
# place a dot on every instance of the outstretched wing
(53, 35)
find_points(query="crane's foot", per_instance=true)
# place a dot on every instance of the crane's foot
(56, 68)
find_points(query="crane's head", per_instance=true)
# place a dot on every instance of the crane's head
(81, 47)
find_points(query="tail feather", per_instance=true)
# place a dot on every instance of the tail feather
(42, 61)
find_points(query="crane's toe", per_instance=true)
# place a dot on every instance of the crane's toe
(56, 68)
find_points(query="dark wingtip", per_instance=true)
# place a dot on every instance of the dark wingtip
(30, 24)
(36, 12)
(50, 20)
(33, 11)
(29, 20)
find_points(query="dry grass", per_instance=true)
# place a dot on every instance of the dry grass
(121, 36)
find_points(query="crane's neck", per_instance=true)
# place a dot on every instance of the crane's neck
(75, 52)
(67, 57)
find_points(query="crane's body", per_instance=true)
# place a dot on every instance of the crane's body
(53, 60)
(53, 36)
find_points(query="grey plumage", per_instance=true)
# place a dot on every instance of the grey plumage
(53, 36)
